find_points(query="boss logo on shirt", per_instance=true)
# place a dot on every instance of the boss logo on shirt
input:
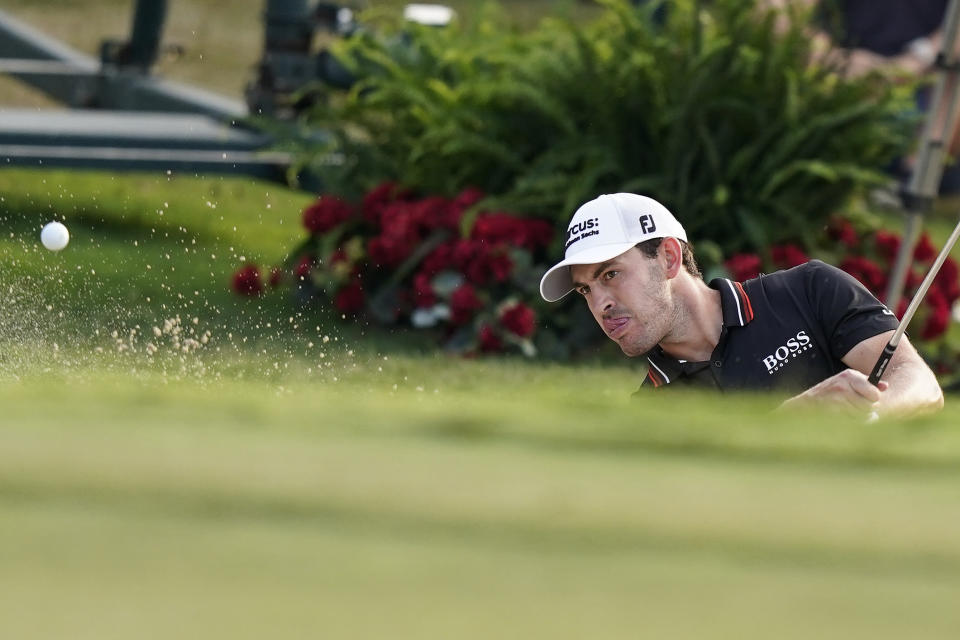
(582, 230)
(782, 356)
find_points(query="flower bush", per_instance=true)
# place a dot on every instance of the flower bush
(469, 276)
(431, 263)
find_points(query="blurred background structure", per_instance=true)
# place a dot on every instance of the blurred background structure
(122, 116)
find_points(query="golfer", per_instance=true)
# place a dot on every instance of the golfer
(812, 330)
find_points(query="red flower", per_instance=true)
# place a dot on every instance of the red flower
(500, 266)
(398, 238)
(303, 267)
(939, 316)
(326, 213)
(466, 199)
(844, 232)
(788, 255)
(488, 265)
(379, 197)
(497, 228)
(520, 319)
(440, 259)
(246, 281)
(350, 298)
(389, 251)
(434, 213)
(935, 298)
(423, 293)
(888, 244)
(947, 280)
(489, 340)
(480, 263)
(464, 302)
(504, 229)
(743, 266)
(276, 277)
(867, 272)
(463, 252)
(538, 233)
(924, 251)
(937, 321)
(400, 218)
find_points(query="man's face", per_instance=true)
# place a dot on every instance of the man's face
(629, 297)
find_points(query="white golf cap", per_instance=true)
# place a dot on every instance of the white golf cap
(604, 228)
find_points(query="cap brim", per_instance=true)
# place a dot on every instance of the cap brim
(556, 282)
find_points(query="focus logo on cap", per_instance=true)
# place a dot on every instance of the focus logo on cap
(581, 230)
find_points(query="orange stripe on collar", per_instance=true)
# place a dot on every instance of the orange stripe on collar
(654, 378)
(748, 307)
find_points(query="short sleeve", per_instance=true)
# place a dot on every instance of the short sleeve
(847, 311)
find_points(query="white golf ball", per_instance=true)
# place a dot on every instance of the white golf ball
(54, 236)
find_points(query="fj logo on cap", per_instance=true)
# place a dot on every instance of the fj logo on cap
(647, 223)
(582, 230)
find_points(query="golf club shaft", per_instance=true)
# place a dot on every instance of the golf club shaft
(891, 347)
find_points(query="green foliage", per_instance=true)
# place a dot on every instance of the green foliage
(716, 113)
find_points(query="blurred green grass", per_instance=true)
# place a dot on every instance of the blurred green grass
(374, 505)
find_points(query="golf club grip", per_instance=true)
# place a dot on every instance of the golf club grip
(882, 363)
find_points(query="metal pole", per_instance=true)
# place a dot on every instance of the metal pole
(145, 33)
(928, 168)
(287, 26)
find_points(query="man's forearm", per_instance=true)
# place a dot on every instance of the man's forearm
(913, 390)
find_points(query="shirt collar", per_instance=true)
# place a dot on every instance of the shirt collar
(734, 301)
(737, 312)
(663, 369)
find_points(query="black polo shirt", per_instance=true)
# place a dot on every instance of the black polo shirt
(787, 330)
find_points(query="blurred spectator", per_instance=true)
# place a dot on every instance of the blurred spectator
(899, 37)
(877, 34)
